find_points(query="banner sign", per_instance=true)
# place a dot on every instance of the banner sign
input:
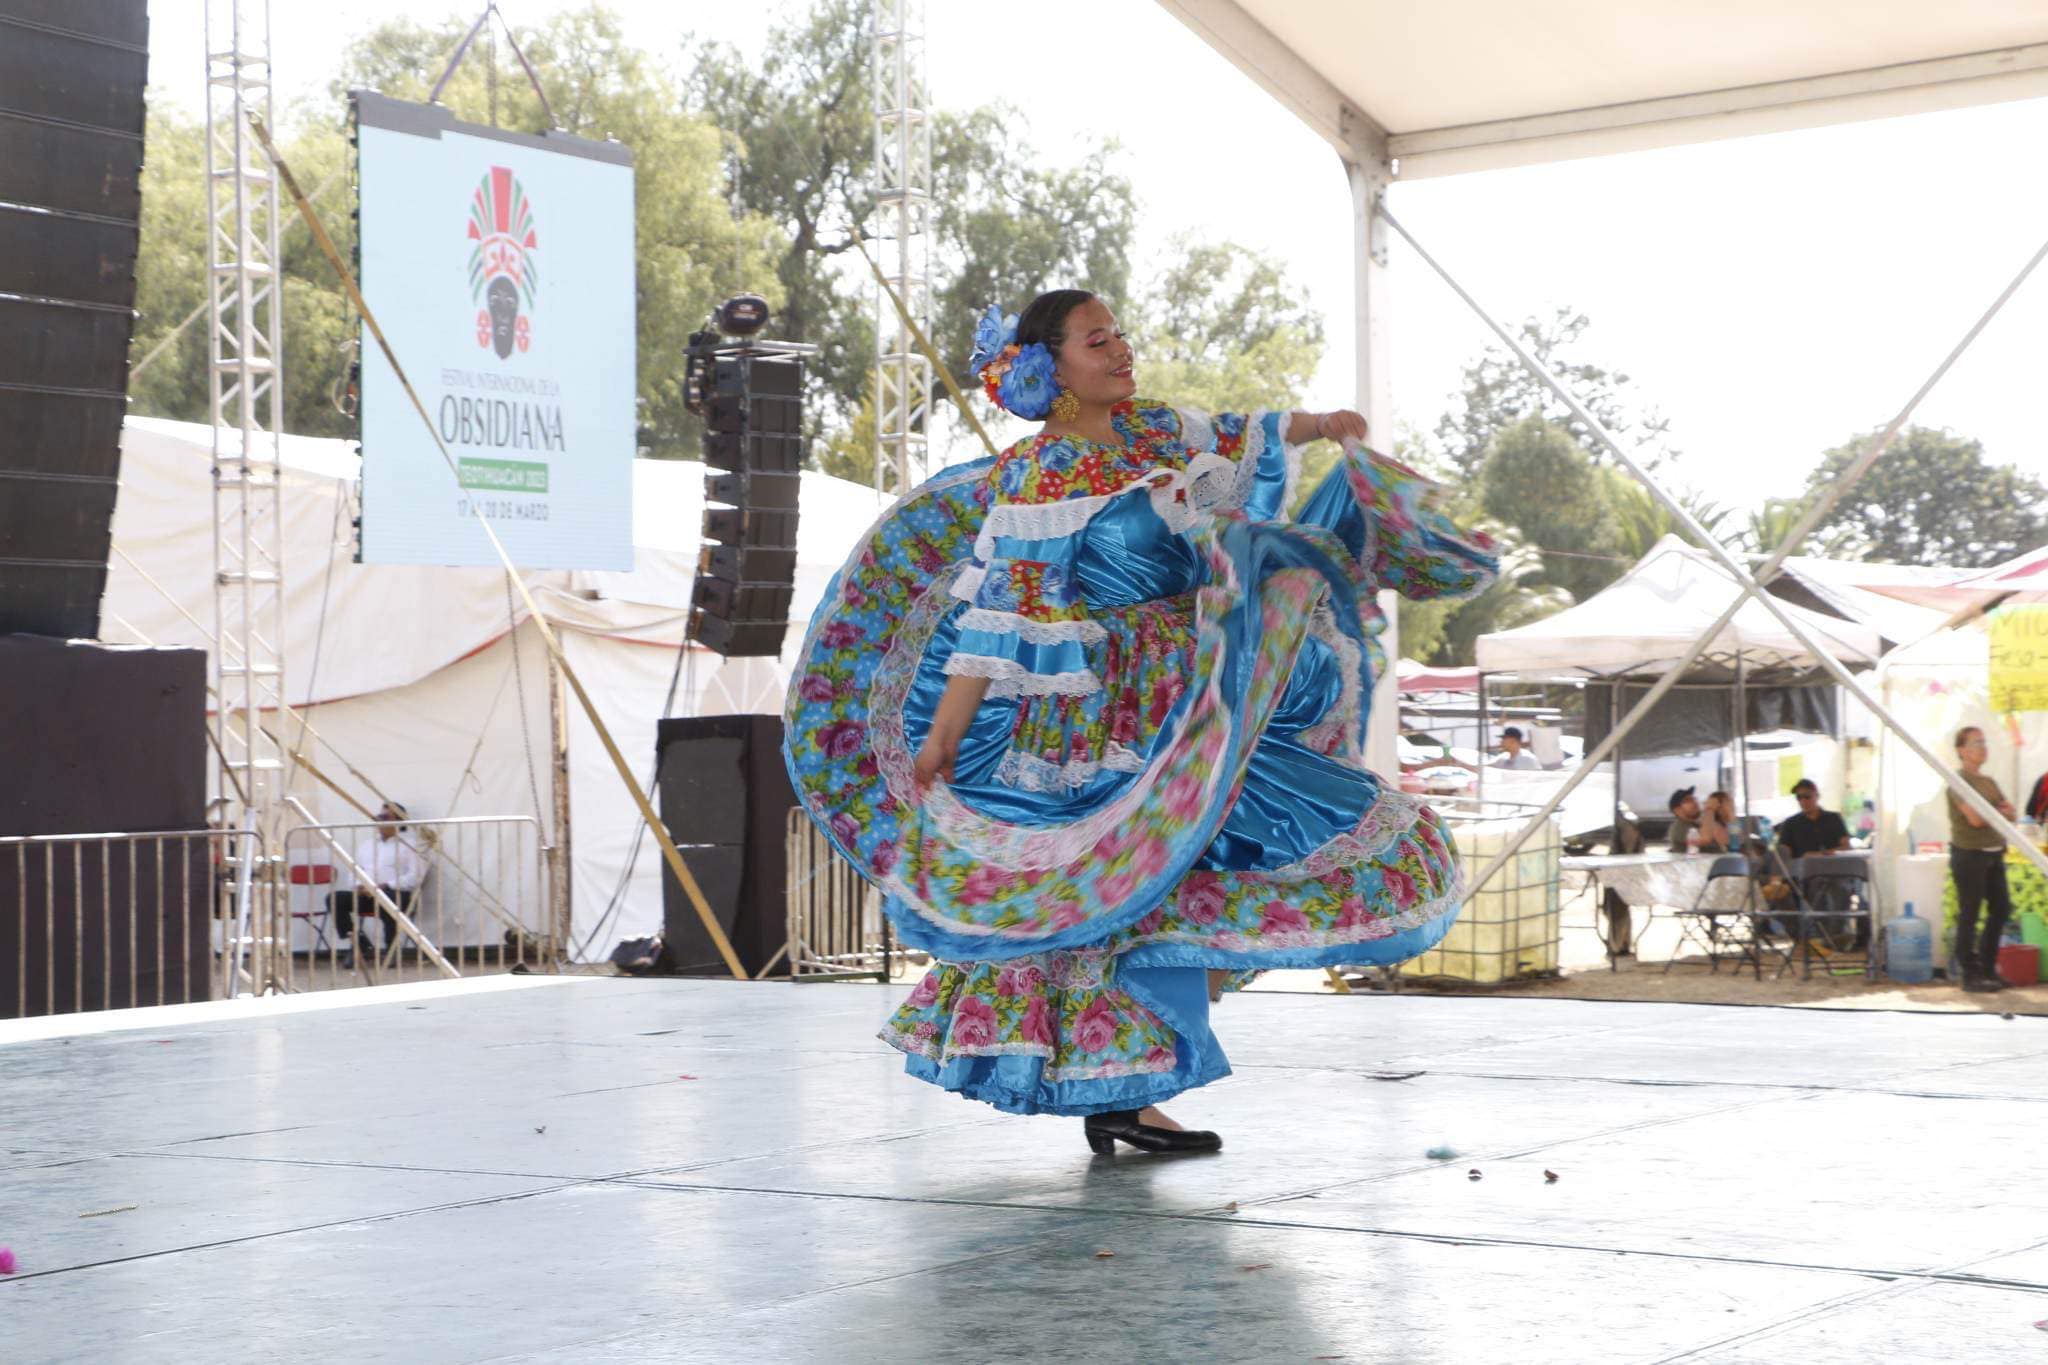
(2019, 658)
(500, 266)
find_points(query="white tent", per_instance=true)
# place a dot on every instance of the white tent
(432, 682)
(1643, 622)
(2023, 578)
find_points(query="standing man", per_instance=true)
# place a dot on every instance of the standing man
(1515, 753)
(388, 864)
(1813, 830)
(1976, 859)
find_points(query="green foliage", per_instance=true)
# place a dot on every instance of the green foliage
(171, 274)
(1012, 227)
(1223, 329)
(1933, 499)
(1638, 520)
(170, 269)
(849, 451)
(1499, 391)
(799, 122)
(1537, 480)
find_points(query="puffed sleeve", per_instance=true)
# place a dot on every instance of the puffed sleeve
(1027, 626)
(1239, 461)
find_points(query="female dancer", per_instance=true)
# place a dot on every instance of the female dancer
(1091, 715)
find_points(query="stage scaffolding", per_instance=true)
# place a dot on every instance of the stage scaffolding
(246, 401)
(903, 210)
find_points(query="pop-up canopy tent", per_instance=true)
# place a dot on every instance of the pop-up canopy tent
(1641, 623)
(432, 684)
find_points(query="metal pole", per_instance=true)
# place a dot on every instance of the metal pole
(1479, 786)
(1742, 737)
(560, 904)
(1751, 585)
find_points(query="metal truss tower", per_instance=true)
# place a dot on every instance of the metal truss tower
(902, 231)
(245, 374)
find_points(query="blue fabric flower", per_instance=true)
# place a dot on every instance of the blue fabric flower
(998, 593)
(1057, 457)
(1028, 388)
(991, 334)
(1012, 476)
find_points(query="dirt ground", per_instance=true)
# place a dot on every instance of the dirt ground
(1586, 975)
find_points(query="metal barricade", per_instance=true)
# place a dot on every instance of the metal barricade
(837, 931)
(113, 921)
(480, 904)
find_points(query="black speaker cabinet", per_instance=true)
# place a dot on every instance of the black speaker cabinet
(725, 800)
(71, 119)
(100, 737)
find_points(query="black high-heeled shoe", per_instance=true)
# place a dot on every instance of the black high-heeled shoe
(1104, 1131)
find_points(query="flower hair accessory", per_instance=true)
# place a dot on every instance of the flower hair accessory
(1016, 378)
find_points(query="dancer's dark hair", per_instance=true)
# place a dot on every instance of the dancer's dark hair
(1045, 317)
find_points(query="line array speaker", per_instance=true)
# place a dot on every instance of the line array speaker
(750, 395)
(71, 118)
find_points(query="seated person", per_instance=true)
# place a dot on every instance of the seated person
(1717, 821)
(388, 863)
(1515, 753)
(1813, 830)
(1685, 819)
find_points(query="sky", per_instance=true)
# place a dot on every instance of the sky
(1771, 296)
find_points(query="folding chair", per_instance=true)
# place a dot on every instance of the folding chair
(314, 875)
(1835, 888)
(1718, 927)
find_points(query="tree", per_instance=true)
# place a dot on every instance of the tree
(1500, 391)
(171, 277)
(1932, 498)
(1012, 228)
(799, 124)
(1537, 480)
(1222, 329)
(1637, 520)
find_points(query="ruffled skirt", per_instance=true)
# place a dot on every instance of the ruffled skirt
(1098, 855)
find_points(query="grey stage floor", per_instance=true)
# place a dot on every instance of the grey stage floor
(637, 1171)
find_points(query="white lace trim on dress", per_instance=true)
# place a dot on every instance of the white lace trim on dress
(1037, 632)
(1028, 772)
(1011, 679)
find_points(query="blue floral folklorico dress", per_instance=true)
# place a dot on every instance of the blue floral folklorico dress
(1166, 774)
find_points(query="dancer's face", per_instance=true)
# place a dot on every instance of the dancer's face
(1094, 362)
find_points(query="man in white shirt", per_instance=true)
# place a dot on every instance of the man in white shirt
(389, 864)
(1515, 753)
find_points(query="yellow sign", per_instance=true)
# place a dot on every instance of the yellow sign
(1791, 769)
(2019, 658)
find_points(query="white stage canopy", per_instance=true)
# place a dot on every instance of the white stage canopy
(1491, 83)
(1643, 622)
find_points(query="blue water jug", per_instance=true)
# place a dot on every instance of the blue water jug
(1909, 948)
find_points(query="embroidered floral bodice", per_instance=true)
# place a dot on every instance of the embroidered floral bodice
(1076, 527)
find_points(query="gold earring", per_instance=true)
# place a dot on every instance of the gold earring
(1066, 407)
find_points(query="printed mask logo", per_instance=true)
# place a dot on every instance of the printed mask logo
(501, 271)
